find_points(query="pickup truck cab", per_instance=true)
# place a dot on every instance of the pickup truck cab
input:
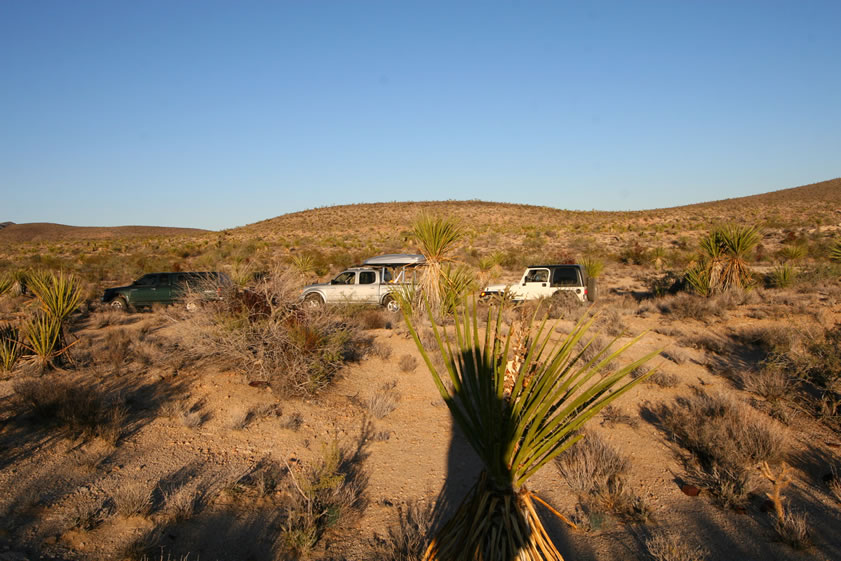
(542, 281)
(370, 283)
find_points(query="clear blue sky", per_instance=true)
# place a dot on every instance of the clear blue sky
(218, 114)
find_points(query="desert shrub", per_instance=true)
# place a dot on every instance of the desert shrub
(675, 355)
(373, 319)
(81, 409)
(667, 283)
(297, 351)
(666, 546)
(564, 304)
(407, 363)
(598, 474)
(663, 379)
(384, 400)
(725, 440)
(772, 382)
(793, 529)
(634, 254)
(724, 260)
(612, 415)
(10, 347)
(689, 306)
(610, 322)
(322, 496)
(408, 539)
(116, 349)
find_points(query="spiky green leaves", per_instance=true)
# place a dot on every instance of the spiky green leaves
(10, 347)
(436, 238)
(835, 252)
(724, 260)
(519, 397)
(60, 294)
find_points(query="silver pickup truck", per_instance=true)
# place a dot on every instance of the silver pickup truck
(370, 283)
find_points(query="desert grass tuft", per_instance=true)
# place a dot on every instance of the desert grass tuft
(384, 400)
(668, 546)
(407, 363)
(132, 499)
(408, 539)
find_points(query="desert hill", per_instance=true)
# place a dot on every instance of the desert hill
(45, 231)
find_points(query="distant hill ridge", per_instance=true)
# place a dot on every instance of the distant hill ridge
(45, 231)
(817, 202)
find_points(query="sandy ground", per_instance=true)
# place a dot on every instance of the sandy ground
(412, 454)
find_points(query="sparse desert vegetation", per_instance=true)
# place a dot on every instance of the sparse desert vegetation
(254, 428)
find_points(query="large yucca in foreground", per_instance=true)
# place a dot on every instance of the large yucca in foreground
(519, 399)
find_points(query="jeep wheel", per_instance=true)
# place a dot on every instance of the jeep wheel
(119, 304)
(313, 301)
(391, 304)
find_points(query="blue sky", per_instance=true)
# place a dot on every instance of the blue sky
(218, 114)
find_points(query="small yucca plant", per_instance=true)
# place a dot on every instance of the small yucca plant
(725, 252)
(593, 267)
(60, 294)
(792, 252)
(6, 283)
(10, 347)
(456, 283)
(520, 399)
(304, 264)
(835, 252)
(436, 238)
(782, 276)
(43, 338)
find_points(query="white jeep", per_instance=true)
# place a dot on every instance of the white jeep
(370, 283)
(542, 281)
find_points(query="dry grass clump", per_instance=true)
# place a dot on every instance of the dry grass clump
(598, 474)
(381, 350)
(408, 539)
(384, 400)
(690, 306)
(612, 415)
(87, 515)
(668, 546)
(407, 363)
(132, 499)
(676, 355)
(793, 529)
(187, 415)
(374, 319)
(772, 382)
(725, 439)
(80, 409)
(180, 503)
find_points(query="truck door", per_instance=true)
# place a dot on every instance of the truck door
(368, 289)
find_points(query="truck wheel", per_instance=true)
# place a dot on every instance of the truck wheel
(119, 304)
(313, 301)
(391, 304)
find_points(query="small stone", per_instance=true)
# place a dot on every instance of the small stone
(690, 490)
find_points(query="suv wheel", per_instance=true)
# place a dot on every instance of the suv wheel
(313, 301)
(119, 304)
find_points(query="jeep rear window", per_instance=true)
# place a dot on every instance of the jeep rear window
(367, 277)
(565, 276)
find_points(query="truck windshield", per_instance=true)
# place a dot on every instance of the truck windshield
(348, 277)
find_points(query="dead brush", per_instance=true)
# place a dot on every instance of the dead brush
(598, 474)
(116, 349)
(612, 415)
(384, 400)
(668, 546)
(792, 528)
(772, 381)
(724, 438)
(187, 415)
(408, 539)
(132, 499)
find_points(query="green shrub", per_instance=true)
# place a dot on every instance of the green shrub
(835, 252)
(60, 294)
(781, 276)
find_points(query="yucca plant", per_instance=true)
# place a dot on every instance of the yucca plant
(60, 294)
(10, 347)
(835, 252)
(436, 238)
(43, 338)
(593, 267)
(520, 399)
(304, 264)
(725, 252)
(792, 252)
(782, 276)
(456, 283)
(6, 283)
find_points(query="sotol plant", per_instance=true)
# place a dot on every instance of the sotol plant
(835, 252)
(520, 400)
(10, 347)
(60, 294)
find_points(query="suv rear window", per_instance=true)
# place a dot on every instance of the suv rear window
(565, 276)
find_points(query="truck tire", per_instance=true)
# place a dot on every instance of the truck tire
(391, 304)
(313, 301)
(592, 289)
(119, 304)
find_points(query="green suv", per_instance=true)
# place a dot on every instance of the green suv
(167, 288)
